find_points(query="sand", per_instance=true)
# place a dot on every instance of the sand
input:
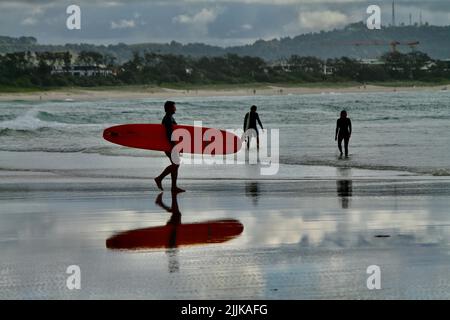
(306, 235)
(165, 93)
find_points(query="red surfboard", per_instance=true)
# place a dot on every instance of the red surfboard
(176, 235)
(189, 139)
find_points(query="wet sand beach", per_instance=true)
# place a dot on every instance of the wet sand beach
(310, 236)
(127, 93)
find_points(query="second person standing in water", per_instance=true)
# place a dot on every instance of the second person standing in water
(250, 120)
(343, 132)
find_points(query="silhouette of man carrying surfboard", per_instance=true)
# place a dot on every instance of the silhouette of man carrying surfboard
(188, 139)
(168, 122)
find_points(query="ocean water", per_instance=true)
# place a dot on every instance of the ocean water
(403, 131)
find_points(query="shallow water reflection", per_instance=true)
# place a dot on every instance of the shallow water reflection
(176, 234)
(344, 192)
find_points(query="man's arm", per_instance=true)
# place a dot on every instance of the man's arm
(337, 130)
(259, 121)
(169, 130)
(245, 121)
(349, 127)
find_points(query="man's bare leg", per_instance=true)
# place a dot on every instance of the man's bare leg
(163, 174)
(174, 175)
(340, 145)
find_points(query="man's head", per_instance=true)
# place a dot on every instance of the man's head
(343, 114)
(169, 107)
(253, 108)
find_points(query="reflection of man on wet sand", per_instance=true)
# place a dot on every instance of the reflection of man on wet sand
(252, 191)
(175, 234)
(160, 203)
(344, 192)
(175, 220)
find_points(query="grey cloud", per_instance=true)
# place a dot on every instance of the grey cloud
(218, 22)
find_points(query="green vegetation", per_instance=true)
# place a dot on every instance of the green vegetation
(399, 84)
(4, 88)
(44, 70)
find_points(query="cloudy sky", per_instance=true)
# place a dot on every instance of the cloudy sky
(219, 22)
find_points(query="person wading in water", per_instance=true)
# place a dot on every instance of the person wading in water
(343, 132)
(250, 120)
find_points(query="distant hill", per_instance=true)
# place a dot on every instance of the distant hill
(434, 40)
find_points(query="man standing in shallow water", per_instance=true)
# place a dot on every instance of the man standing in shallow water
(250, 122)
(343, 132)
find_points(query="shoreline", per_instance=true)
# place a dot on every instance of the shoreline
(35, 167)
(117, 93)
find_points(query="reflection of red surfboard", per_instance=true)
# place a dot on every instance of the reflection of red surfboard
(175, 235)
(153, 137)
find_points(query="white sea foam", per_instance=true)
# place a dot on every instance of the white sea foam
(29, 121)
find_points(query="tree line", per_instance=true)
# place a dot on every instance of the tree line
(36, 69)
